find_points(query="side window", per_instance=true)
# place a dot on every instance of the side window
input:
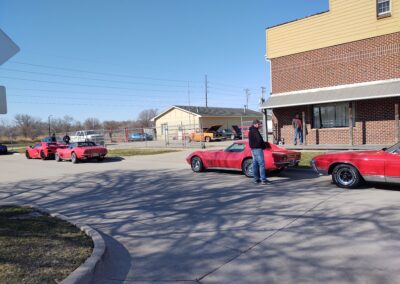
(37, 145)
(236, 148)
(383, 8)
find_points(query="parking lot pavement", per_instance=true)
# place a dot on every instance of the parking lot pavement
(163, 223)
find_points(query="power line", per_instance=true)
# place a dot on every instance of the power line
(94, 79)
(99, 73)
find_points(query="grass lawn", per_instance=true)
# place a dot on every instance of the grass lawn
(37, 248)
(137, 152)
(306, 157)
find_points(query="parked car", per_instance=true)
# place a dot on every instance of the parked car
(207, 135)
(43, 150)
(3, 149)
(238, 157)
(81, 151)
(140, 137)
(229, 133)
(349, 169)
(87, 135)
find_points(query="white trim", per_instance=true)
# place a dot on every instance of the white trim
(337, 87)
(336, 100)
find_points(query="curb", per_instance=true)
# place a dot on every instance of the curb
(85, 272)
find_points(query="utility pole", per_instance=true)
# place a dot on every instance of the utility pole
(265, 114)
(247, 93)
(206, 89)
(188, 92)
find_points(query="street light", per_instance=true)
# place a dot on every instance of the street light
(49, 125)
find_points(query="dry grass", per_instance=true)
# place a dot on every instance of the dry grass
(37, 248)
(306, 157)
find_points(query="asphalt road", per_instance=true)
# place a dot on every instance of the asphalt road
(164, 224)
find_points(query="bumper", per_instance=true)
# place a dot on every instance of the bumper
(319, 171)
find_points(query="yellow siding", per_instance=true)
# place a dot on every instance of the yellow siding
(347, 21)
(176, 117)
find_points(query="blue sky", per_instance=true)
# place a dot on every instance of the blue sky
(111, 59)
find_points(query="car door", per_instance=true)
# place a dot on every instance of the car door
(392, 165)
(35, 153)
(231, 157)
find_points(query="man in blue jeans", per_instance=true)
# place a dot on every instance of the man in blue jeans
(298, 130)
(257, 146)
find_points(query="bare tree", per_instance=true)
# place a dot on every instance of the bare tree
(28, 126)
(145, 116)
(92, 123)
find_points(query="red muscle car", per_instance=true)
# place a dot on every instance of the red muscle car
(81, 151)
(42, 150)
(349, 169)
(238, 157)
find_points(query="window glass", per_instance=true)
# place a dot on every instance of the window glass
(235, 147)
(383, 7)
(331, 115)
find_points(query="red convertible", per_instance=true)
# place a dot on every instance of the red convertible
(81, 151)
(42, 150)
(237, 157)
(349, 169)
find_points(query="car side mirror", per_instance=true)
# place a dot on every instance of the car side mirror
(384, 149)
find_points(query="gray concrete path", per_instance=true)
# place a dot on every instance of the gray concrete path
(164, 224)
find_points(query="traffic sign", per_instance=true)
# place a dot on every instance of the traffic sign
(3, 100)
(7, 47)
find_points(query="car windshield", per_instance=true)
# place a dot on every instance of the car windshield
(394, 148)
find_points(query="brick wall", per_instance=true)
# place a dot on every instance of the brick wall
(374, 124)
(366, 60)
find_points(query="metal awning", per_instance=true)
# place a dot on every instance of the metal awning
(339, 94)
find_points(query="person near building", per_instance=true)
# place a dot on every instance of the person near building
(298, 130)
(257, 146)
(66, 138)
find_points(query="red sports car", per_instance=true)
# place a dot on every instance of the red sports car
(81, 151)
(349, 169)
(42, 150)
(238, 157)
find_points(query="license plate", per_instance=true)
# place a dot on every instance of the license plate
(95, 154)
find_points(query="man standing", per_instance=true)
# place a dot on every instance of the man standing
(257, 146)
(298, 129)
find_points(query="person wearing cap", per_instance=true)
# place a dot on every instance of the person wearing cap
(257, 145)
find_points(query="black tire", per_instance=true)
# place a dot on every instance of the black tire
(43, 155)
(57, 157)
(74, 159)
(346, 176)
(100, 159)
(27, 155)
(247, 167)
(197, 164)
(208, 139)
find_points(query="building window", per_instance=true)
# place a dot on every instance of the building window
(383, 8)
(332, 115)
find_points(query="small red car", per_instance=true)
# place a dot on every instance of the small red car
(81, 151)
(349, 169)
(238, 157)
(42, 150)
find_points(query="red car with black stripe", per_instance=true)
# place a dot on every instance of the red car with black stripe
(238, 157)
(43, 150)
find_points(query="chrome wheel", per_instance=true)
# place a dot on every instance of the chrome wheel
(247, 168)
(346, 176)
(57, 157)
(74, 159)
(197, 164)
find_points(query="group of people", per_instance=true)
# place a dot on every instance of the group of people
(257, 145)
(66, 138)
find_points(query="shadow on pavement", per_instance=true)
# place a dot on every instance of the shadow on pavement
(176, 225)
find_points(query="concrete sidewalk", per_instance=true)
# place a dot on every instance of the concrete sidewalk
(164, 224)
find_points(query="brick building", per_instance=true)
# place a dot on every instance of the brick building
(340, 70)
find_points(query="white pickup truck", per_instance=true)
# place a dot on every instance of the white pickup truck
(88, 135)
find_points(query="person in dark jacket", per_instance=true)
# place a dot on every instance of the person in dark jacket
(257, 145)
